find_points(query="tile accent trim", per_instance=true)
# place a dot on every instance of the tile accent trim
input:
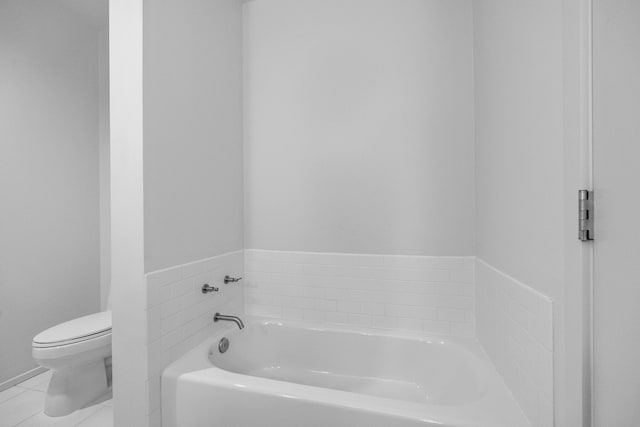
(430, 294)
(514, 324)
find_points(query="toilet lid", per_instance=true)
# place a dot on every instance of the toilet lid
(75, 330)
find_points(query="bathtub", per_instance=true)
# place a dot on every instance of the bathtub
(296, 374)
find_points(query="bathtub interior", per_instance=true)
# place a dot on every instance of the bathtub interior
(285, 372)
(423, 370)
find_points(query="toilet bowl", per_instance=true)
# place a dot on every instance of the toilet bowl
(78, 353)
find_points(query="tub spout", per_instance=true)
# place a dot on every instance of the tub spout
(234, 319)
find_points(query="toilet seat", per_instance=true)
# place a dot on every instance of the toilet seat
(73, 341)
(87, 334)
(85, 348)
(75, 331)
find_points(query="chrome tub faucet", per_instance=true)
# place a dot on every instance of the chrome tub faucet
(227, 318)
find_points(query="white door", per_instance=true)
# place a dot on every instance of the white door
(616, 156)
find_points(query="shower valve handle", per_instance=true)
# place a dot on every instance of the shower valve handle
(206, 289)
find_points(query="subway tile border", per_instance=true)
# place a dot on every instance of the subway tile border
(419, 293)
(514, 324)
(179, 316)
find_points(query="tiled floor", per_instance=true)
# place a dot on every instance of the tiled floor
(22, 406)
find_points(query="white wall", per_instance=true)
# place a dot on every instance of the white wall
(49, 232)
(104, 165)
(519, 130)
(616, 148)
(359, 126)
(519, 102)
(128, 290)
(192, 131)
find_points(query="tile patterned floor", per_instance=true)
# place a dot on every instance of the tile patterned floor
(22, 405)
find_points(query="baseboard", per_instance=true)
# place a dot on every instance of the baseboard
(22, 377)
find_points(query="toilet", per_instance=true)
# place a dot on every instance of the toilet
(78, 353)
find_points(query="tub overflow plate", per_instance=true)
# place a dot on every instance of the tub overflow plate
(223, 345)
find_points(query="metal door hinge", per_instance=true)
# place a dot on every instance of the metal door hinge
(585, 215)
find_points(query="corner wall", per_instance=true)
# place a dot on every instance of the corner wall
(193, 176)
(193, 172)
(104, 168)
(519, 102)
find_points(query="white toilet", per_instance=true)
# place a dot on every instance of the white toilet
(78, 353)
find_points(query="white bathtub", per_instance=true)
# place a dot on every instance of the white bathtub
(295, 374)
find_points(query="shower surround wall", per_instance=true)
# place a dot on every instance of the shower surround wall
(515, 327)
(431, 294)
(179, 316)
(359, 140)
(358, 172)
